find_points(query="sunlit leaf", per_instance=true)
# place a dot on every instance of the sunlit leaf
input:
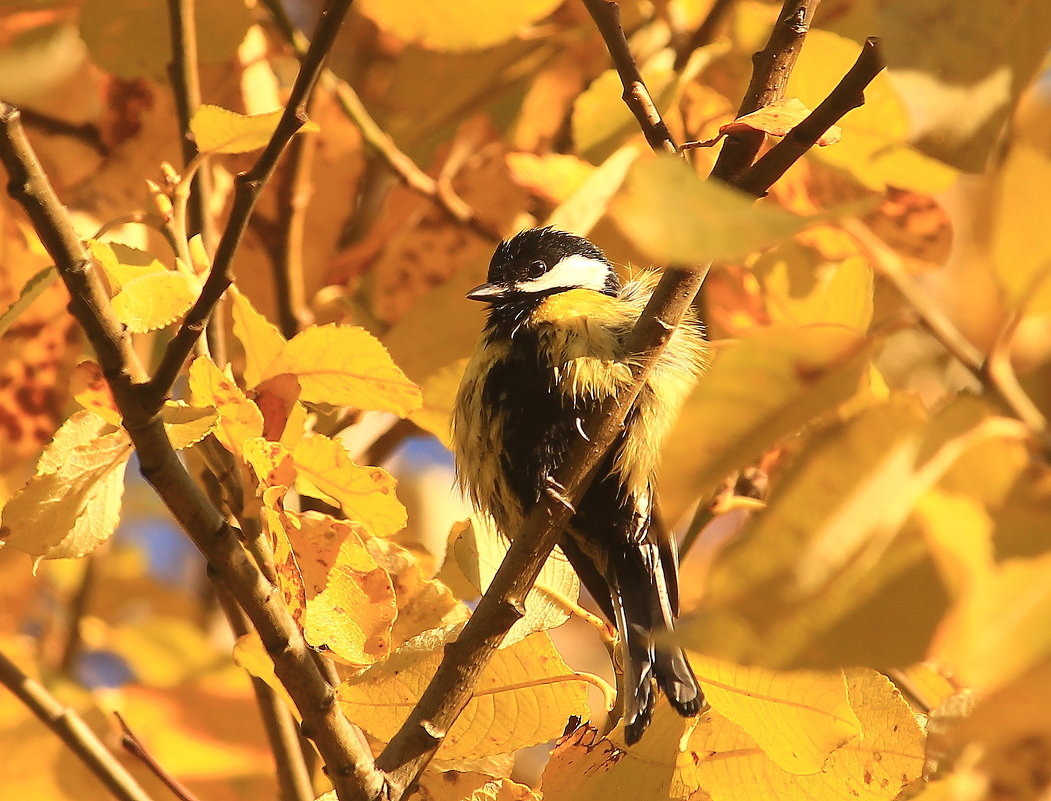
(422, 603)
(239, 418)
(187, 425)
(147, 295)
(478, 551)
(439, 394)
(874, 766)
(454, 25)
(463, 786)
(250, 654)
(72, 504)
(838, 293)
(761, 388)
(345, 366)
(219, 130)
(674, 217)
(32, 289)
(828, 574)
(365, 494)
(797, 718)
(162, 651)
(554, 176)
(91, 390)
(582, 210)
(778, 119)
(524, 696)
(261, 340)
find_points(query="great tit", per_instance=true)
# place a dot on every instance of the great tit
(552, 348)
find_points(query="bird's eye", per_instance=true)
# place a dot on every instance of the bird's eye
(536, 269)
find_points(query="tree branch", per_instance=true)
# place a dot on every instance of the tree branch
(380, 141)
(73, 731)
(705, 33)
(186, 86)
(248, 187)
(636, 96)
(771, 67)
(349, 764)
(848, 94)
(293, 199)
(451, 687)
(134, 746)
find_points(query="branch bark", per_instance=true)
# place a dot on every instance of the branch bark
(73, 731)
(248, 187)
(348, 763)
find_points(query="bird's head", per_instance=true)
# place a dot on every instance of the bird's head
(544, 261)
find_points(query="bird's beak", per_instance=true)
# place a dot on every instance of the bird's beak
(487, 293)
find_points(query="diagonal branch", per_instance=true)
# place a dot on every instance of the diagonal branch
(73, 731)
(451, 687)
(771, 67)
(248, 187)
(349, 764)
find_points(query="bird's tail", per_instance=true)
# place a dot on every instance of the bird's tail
(643, 616)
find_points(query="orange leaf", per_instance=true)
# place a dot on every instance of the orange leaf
(778, 119)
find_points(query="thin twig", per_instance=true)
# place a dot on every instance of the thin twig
(349, 765)
(186, 84)
(848, 94)
(380, 141)
(293, 198)
(636, 96)
(134, 746)
(706, 31)
(997, 381)
(248, 187)
(73, 731)
(415, 743)
(771, 67)
(77, 608)
(293, 776)
(86, 132)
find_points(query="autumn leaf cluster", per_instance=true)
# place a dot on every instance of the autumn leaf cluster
(860, 480)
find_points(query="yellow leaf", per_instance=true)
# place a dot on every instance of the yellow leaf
(365, 494)
(346, 366)
(886, 754)
(471, 786)
(219, 130)
(163, 651)
(554, 176)
(239, 418)
(805, 293)
(350, 601)
(261, 340)
(250, 654)
(587, 767)
(91, 390)
(524, 696)
(439, 395)
(999, 629)
(760, 388)
(149, 296)
(422, 603)
(276, 524)
(967, 71)
(582, 210)
(72, 504)
(31, 290)
(478, 551)
(829, 574)
(455, 25)
(1020, 248)
(673, 217)
(797, 718)
(187, 425)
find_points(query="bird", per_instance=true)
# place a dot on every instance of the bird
(552, 349)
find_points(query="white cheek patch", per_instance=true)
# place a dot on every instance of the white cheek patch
(573, 272)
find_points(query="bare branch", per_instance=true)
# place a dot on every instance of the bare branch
(186, 85)
(771, 67)
(380, 141)
(348, 763)
(134, 746)
(248, 187)
(706, 31)
(848, 94)
(293, 199)
(73, 731)
(636, 96)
